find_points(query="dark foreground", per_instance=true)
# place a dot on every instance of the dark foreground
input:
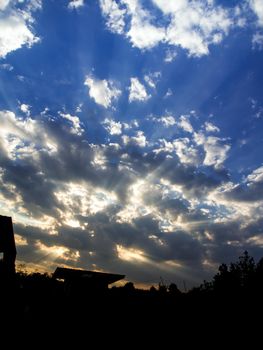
(231, 305)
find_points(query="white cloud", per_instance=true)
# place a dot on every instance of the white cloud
(186, 152)
(4, 4)
(183, 149)
(19, 137)
(114, 15)
(142, 33)
(33, 5)
(25, 109)
(170, 56)
(216, 149)
(257, 41)
(168, 93)
(137, 91)
(152, 79)
(75, 4)
(192, 25)
(76, 124)
(15, 29)
(196, 25)
(145, 35)
(113, 128)
(256, 175)
(139, 140)
(6, 66)
(257, 7)
(167, 120)
(102, 91)
(185, 124)
(169, 7)
(210, 127)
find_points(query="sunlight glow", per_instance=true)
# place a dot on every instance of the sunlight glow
(54, 252)
(130, 254)
(82, 199)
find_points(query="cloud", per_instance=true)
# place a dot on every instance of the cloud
(193, 26)
(215, 149)
(76, 124)
(102, 91)
(142, 33)
(15, 28)
(123, 206)
(184, 150)
(256, 175)
(167, 120)
(257, 41)
(4, 4)
(114, 15)
(152, 79)
(113, 128)
(170, 56)
(138, 140)
(25, 109)
(137, 91)
(6, 66)
(257, 7)
(210, 127)
(75, 4)
(185, 124)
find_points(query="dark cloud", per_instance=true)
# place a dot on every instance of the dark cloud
(36, 177)
(247, 192)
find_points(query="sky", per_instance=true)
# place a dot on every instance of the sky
(131, 135)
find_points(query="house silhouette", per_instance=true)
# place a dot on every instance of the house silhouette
(77, 281)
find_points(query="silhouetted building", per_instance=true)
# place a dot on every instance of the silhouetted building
(79, 281)
(7, 245)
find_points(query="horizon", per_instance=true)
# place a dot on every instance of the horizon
(131, 135)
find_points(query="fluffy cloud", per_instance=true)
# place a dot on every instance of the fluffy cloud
(137, 91)
(256, 175)
(102, 91)
(170, 56)
(185, 124)
(257, 7)
(210, 127)
(191, 25)
(113, 128)
(4, 4)
(75, 4)
(152, 79)
(25, 109)
(216, 149)
(257, 41)
(76, 124)
(195, 25)
(142, 33)
(114, 15)
(139, 139)
(15, 28)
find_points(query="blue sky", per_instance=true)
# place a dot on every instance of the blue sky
(131, 134)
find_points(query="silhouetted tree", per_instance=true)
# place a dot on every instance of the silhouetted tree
(240, 275)
(173, 289)
(129, 287)
(162, 287)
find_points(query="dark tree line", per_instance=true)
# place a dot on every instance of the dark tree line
(242, 276)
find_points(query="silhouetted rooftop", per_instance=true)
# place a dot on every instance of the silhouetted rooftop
(93, 276)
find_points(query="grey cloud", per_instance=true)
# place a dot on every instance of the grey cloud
(245, 193)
